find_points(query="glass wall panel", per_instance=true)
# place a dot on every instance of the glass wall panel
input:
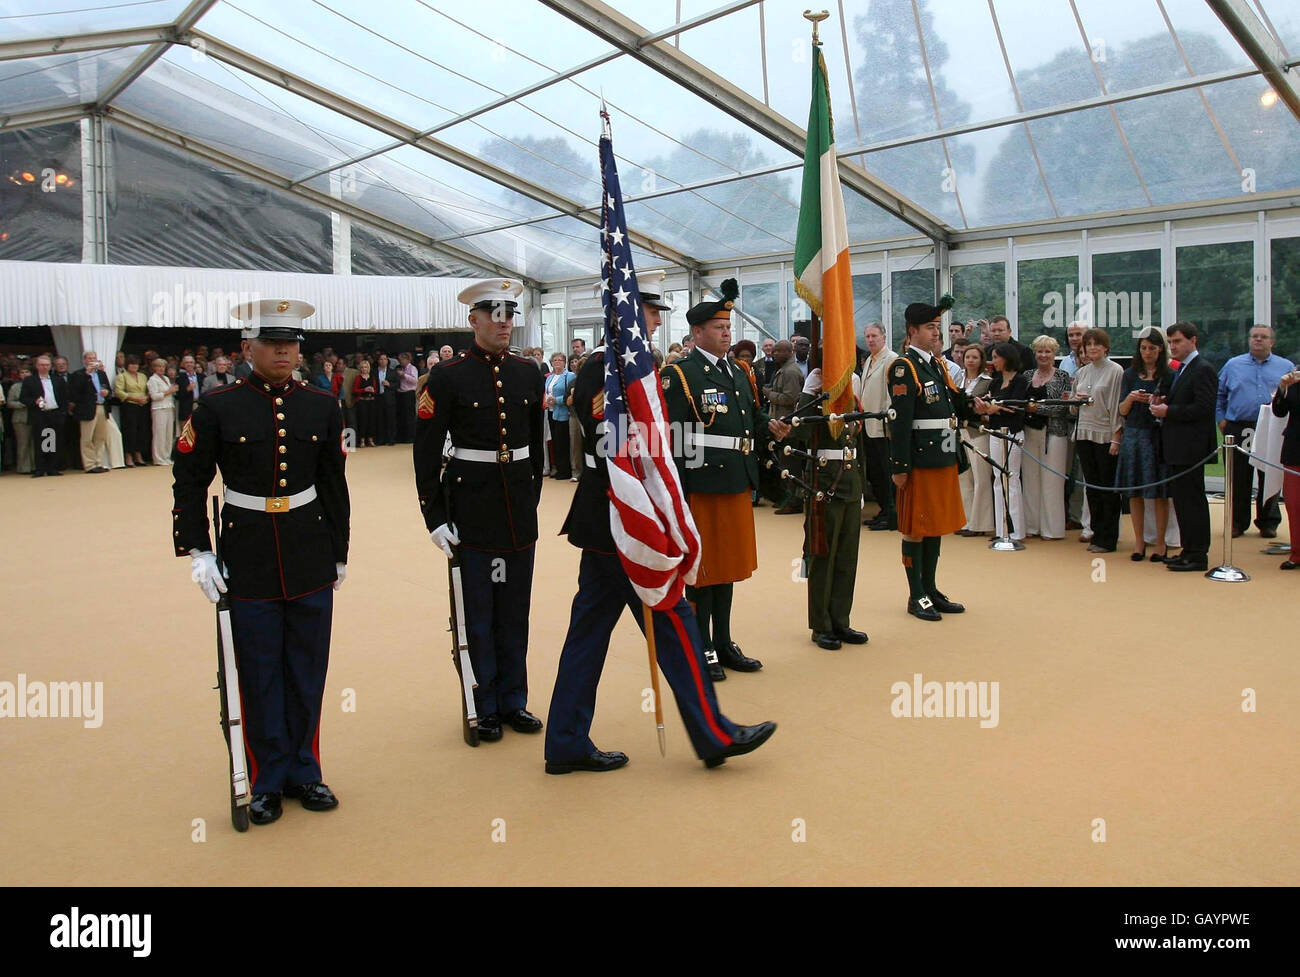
(168, 208)
(906, 287)
(1125, 296)
(867, 303)
(40, 194)
(761, 302)
(1047, 296)
(1285, 279)
(1216, 293)
(980, 291)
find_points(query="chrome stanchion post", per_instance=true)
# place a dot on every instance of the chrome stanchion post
(1225, 571)
(1004, 543)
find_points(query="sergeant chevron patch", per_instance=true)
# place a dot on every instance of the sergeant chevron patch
(185, 443)
(425, 406)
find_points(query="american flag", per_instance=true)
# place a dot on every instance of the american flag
(656, 537)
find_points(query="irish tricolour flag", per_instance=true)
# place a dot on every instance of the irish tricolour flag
(821, 250)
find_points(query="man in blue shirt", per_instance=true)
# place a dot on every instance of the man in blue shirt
(1247, 382)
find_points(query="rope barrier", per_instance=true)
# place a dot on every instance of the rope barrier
(1117, 488)
(1254, 458)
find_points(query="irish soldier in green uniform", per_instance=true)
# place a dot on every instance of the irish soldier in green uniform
(713, 407)
(926, 457)
(832, 522)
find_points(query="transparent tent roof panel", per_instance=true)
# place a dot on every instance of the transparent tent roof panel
(59, 80)
(58, 18)
(213, 102)
(661, 132)
(371, 52)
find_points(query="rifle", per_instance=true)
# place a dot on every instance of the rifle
(232, 720)
(460, 651)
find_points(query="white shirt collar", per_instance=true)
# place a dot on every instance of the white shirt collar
(926, 354)
(713, 360)
(1195, 353)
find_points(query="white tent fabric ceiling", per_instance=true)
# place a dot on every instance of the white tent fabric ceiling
(473, 126)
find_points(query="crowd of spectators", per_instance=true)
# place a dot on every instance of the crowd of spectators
(1027, 463)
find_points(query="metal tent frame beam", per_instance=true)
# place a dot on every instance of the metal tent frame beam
(188, 18)
(613, 28)
(43, 117)
(236, 58)
(218, 157)
(1261, 47)
(80, 43)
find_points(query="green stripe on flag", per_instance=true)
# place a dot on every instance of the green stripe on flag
(808, 240)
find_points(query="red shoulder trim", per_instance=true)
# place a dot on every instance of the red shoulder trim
(317, 390)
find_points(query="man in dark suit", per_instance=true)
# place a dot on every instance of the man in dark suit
(188, 383)
(386, 380)
(1000, 332)
(1186, 412)
(46, 398)
(90, 394)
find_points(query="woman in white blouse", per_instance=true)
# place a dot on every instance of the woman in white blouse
(1097, 436)
(162, 412)
(976, 481)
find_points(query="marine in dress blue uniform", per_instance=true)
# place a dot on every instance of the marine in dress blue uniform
(482, 498)
(284, 541)
(604, 592)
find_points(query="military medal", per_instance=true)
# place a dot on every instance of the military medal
(931, 392)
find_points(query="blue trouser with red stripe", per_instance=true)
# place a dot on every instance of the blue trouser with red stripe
(604, 591)
(282, 648)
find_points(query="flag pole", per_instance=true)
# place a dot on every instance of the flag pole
(654, 674)
(611, 336)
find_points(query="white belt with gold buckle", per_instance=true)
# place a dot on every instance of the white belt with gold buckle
(743, 445)
(934, 424)
(279, 503)
(489, 457)
(837, 454)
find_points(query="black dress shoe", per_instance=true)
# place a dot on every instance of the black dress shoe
(1268, 533)
(597, 761)
(788, 510)
(265, 808)
(945, 606)
(716, 672)
(38, 474)
(850, 636)
(1288, 565)
(747, 739)
(923, 608)
(1188, 566)
(887, 525)
(1158, 558)
(489, 728)
(731, 656)
(522, 721)
(824, 639)
(56, 473)
(314, 797)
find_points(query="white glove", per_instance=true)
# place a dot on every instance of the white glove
(446, 537)
(206, 572)
(813, 385)
(342, 570)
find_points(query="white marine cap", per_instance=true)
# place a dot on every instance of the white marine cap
(494, 294)
(273, 318)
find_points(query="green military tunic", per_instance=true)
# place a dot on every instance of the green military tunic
(921, 390)
(703, 399)
(832, 526)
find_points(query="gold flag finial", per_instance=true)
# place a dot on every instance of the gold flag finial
(816, 19)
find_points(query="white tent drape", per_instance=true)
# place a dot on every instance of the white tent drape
(37, 293)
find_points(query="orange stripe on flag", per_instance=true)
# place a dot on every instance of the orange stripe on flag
(839, 347)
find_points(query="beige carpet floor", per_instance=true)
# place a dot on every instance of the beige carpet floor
(1118, 700)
